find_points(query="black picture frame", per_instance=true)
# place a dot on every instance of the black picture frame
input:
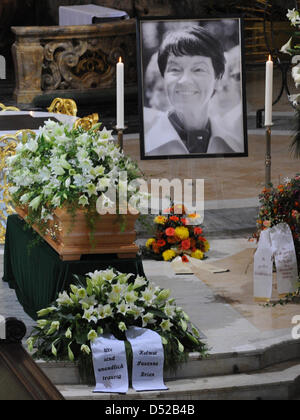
(162, 132)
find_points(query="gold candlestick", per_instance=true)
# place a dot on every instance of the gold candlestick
(121, 137)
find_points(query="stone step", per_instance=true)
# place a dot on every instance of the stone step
(282, 382)
(66, 373)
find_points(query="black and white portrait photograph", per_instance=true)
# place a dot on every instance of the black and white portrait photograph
(192, 96)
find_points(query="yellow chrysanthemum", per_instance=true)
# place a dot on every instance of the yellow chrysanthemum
(182, 233)
(206, 246)
(169, 255)
(150, 242)
(160, 220)
(198, 254)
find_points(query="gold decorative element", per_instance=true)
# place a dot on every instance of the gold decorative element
(87, 122)
(8, 108)
(7, 148)
(8, 144)
(63, 106)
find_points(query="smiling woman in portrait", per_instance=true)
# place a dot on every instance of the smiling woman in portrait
(191, 63)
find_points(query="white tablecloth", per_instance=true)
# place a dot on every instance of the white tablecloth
(84, 14)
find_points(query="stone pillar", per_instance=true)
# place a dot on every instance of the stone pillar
(28, 56)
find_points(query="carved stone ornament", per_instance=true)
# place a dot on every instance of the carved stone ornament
(81, 64)
(72, 58)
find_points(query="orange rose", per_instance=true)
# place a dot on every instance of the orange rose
(170, 232)
(185, 245)
(198, 231)
(161, 243)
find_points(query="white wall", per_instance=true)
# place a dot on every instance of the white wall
(2, 67)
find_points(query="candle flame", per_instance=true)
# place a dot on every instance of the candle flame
(120, 60)
(270, 57)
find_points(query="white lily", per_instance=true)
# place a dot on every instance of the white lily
(106, 134)
(285, 49)
(34, 204)
(148, 319)
(296, 75)
(89, 315)
(88, 301)
(83, 200)
(32, 145)
(64, 299)
(123, 308)
(136, 311)
(166, 325)
(293, 16)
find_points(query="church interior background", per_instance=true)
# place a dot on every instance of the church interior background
(252, 352)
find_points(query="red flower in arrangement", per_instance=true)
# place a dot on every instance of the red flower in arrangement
(185, 259)
(198, 231)
(174, 218)
(186, 244)
(201, 239)
(172, 240)
(184, 221)
(161, 243)
(156, 248)
(170, 232)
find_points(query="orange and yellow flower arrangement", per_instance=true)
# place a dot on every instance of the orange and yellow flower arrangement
(177, 234)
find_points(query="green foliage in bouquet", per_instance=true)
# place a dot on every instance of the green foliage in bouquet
(110, 302)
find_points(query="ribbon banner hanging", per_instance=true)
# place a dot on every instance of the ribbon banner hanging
(148, 359)
(110, 365)
(276, 242)
(285, 259)
(263, 268)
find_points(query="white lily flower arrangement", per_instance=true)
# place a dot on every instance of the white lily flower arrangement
(292, 48)
(111, 302)
(63, 166)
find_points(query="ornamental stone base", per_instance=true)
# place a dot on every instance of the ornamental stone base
(72, 59)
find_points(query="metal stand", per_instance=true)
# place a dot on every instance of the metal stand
(120, 136)
(268, 160)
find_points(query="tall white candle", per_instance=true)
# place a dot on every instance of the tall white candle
(269, 92)
(120, 94)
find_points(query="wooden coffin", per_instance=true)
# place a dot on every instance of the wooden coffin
(71, 237)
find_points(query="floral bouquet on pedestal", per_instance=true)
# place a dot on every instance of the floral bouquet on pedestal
(177, 233)
(110, 302)
(281, 204)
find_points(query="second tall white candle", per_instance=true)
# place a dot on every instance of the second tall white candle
(120, 95)
(269, 92)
